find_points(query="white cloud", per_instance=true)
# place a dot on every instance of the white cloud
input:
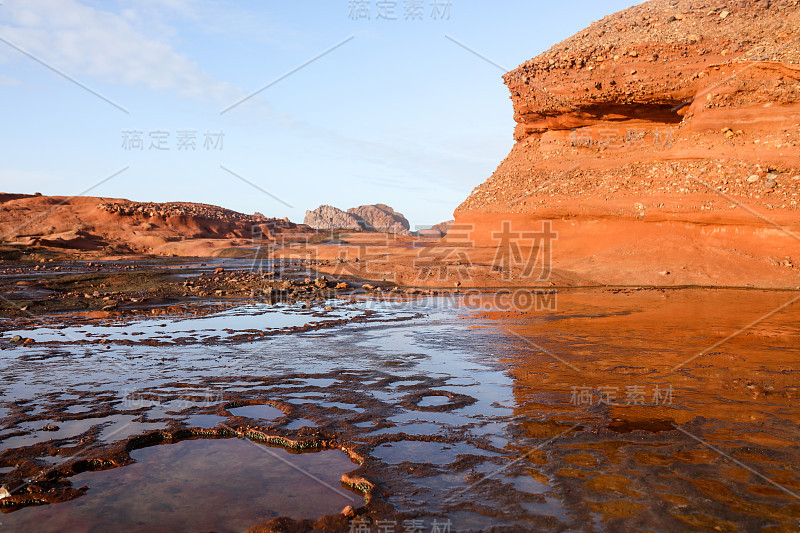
(9, 82)
(87, 41)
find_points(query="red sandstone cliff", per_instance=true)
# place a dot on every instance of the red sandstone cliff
(115, 226)
(662, 143)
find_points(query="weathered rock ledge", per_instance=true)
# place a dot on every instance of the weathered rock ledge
(663, 138)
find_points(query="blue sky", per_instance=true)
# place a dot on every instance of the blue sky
(396, 114)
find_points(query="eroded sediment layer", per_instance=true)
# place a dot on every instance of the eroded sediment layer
(661, 138)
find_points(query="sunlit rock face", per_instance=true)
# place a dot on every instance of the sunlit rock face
(378, 217)
(662, 143)
(381, 217)
(327, 217)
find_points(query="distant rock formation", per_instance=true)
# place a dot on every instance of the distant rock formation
(117, 226)
(443, 226)
(437, 231)
(378, 217)
(179, 209)
(328, 217)
(381, 217)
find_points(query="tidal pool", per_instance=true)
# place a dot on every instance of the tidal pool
(223, 485)
(208, 324)
(620, 409)
(257, 411)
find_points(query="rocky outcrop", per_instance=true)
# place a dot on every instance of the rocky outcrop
(436, 231)
(381, 217)
(118, 226)
(327, 217)
(443, 226)
(180, 209)
(662, 144)
(378, 217)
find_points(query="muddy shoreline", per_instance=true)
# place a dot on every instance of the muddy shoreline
(449, 409)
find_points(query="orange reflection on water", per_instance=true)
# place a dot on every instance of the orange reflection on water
(674, 409)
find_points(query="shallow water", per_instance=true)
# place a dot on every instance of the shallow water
(223, 485)
(210, 326)
(619, 410)
(258, 411)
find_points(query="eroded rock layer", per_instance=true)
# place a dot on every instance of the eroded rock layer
(117, 226)
(662, 143)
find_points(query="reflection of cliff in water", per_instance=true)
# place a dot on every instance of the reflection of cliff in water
(662, 408)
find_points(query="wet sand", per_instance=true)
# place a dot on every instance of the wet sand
(619, 409)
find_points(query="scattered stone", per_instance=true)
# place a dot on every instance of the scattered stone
(724, 15)
(50, 427)
(219, 270)
(752, 179)
(5, 494)
(342, 285)
(16, 338)
(348, 511)
(368, 287)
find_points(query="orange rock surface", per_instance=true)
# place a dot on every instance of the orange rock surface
(121, 227)
(662, 144)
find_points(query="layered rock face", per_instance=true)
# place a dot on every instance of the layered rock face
(378, 217)
(662, 145)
